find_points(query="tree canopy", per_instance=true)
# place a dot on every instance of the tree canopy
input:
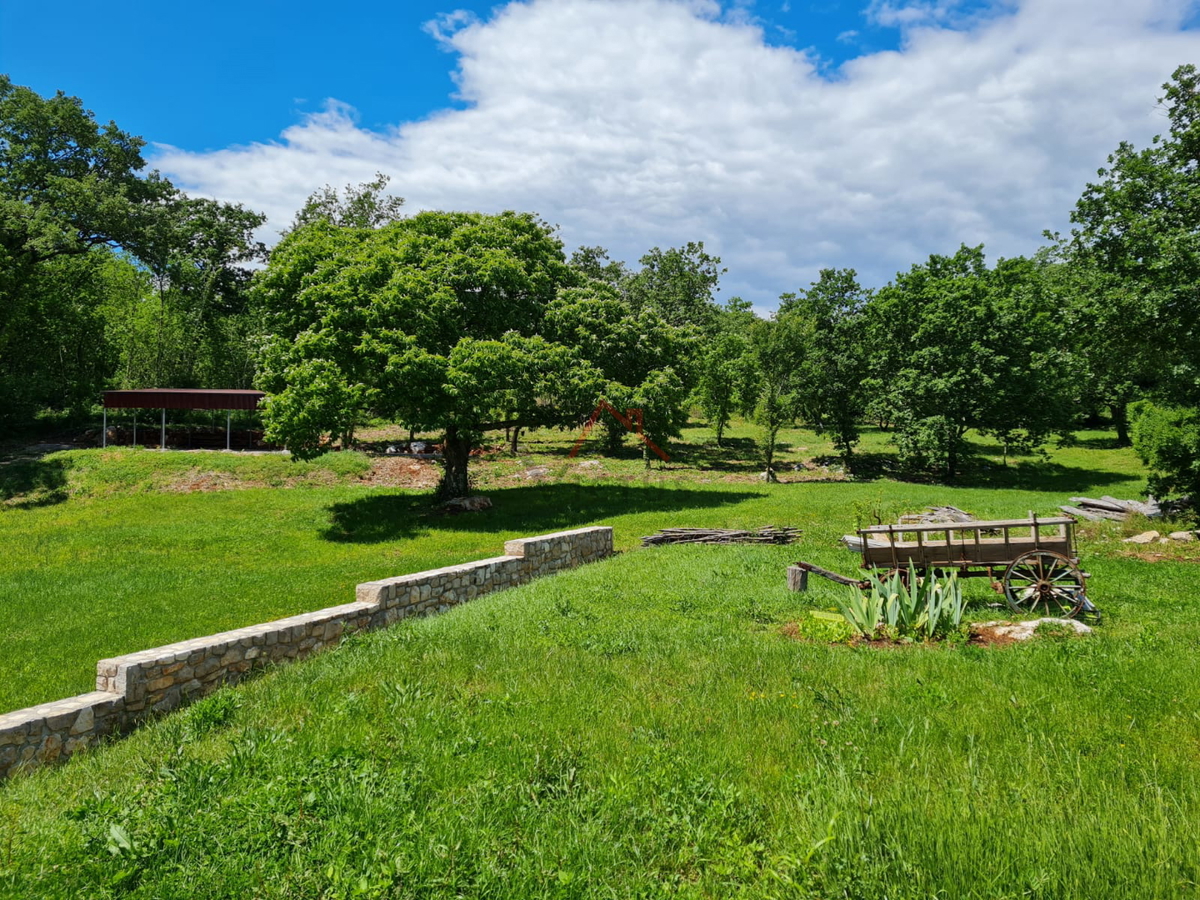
(436, 321)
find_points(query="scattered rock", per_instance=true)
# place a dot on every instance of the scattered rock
(1182, 535)
(1146, 537)
(468, 504)
(937, 515)
(768, 476)
(536, 472)
(1005, 632)
(591, 464)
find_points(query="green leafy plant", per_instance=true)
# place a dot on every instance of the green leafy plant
(904, 604)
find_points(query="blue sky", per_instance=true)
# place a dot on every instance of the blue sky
(788, 136)
(209, 75)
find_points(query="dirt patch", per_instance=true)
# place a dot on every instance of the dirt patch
(403, 472)
(203, 482)
(985, 636)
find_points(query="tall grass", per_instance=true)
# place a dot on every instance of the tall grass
(642, 728)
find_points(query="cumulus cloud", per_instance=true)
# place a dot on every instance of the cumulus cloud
(634, 123)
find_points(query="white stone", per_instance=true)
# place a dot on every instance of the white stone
(1146, 537)
(1023, 631)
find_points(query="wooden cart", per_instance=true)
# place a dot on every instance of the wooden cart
(1034, 558)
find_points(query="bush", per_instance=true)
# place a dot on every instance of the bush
(1167, 439)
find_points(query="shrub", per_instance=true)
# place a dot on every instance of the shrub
(1167, 439)
(904, 604)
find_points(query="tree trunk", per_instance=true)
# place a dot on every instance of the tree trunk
(516, 433)
(1120, 417)
(772, 433)
(456, 453)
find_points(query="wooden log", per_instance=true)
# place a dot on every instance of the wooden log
(825, 573)
(797, 579)
(1090, 515)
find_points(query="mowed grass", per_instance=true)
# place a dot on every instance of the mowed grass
(106, 558)
(642, 728)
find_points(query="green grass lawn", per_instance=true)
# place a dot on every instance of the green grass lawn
(642, 728)
(106, 557)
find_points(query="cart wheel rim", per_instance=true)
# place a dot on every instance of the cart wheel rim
(1045, 582)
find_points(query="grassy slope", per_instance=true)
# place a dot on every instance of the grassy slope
(122, 566)
(641, 728)
(636, 728)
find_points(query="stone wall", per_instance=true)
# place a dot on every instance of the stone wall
(133, 687)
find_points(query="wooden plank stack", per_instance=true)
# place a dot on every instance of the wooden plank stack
(1112, 508)
(767, 535)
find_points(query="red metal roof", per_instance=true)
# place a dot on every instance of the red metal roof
(181, 398)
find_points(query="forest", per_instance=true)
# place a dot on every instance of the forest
(456, 323)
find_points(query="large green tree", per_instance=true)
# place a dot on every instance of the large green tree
(679, 284)
(1138, 234)
(956, 346)
(777, 349)
(831, 394)
(643, 360)
(435, 321)
(1140, 224)
(82, 230)
(68, 187)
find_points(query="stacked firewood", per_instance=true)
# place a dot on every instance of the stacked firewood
(767, 535)
(1112, 508)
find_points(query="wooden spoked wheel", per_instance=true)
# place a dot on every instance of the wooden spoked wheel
(1044, 582)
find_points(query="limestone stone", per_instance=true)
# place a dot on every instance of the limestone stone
(1023, 631)
(1182, 535)
(85, 721)
(1146, 537)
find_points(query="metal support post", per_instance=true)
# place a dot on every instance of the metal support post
(228, 425)
(104, 430)
(162, 443)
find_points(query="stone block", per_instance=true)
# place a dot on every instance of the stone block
(232, 655)
(85, 721)
(50, 748)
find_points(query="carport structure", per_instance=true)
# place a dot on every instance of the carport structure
(178, 398)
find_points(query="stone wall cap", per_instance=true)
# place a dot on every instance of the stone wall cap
(21, 717)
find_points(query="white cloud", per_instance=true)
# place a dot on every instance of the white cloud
(634, 123)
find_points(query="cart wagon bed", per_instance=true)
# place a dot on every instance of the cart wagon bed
(965, 545)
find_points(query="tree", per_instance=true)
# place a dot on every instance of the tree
(1167, 439)
(678, 284)
(639, 356)
(956, 346)
(1140, 224)
(434, 321)
(357, 206)
(593, 264)
(1138, 241)
(831, 392)
(68, 187)
(726, 379)
(777, 347)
